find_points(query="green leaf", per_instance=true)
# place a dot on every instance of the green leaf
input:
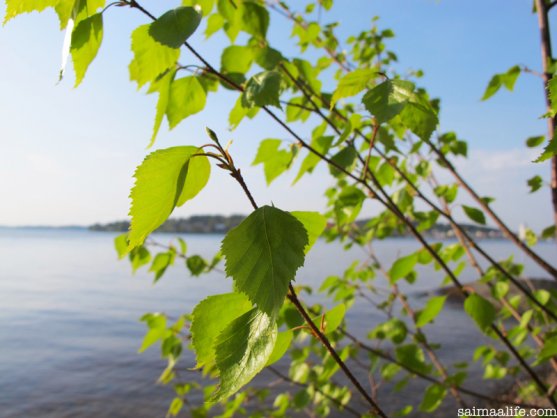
(332, 319)
(480, 310)
(242, 350)
(187, 97)
(535, 183)
(139, 256)
(549, 151)
(388, 99)
(175, 407)
(215, 22)
(157, 330)
(321, 144)
(263, 254)
(236, 59)
(353, 83)
(151, 58)
(166, 178)
(535, 141)
(548, 232)
(549, 350)
(121, 245)
(255, 19)
(474, 214)
(412, 357)
(161, 262)
(163, 87)
(433, 397)
(196, 265)
(403, 267)
(275, 161)
(16, 7)
(397, 97)
(284, 339)
(85, 43)
(432, 308)
(262, 89)
(209, 318)
(507, 79)
(175, 26)
(314, 224)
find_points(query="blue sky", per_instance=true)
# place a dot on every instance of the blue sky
(68, 154)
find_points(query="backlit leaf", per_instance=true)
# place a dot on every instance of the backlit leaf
(166, 178)
(275, 161)
(262, 89)
(16, 7)
(151, 58)
(263, 254)
(284, 339)
(187, 97)
(242, 350)
(535, 183)
(175, 26)
(352, 84)
(163, 87)
(209, 318)
(432, 308)
(255, 19)
(236, 59)
(403, 267)
(314, 223)
(85, 43)
(480, 310)
(321, 144)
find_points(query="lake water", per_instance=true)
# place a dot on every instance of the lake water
(70, 330)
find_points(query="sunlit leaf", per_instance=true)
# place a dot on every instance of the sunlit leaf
(242, 350)
(166, 178)
(480, 310)
(209, 318)
(263, 89)
(85, 43)
(187, 97)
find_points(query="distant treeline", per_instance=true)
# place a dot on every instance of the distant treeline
(199, 224)
(218, 224)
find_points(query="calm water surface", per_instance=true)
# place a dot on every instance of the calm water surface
(70, 330)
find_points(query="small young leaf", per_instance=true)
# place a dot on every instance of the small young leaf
(432, 308)
(275, 161)
(242, 350)
(321, 144)
(433, 397)
(262, 89)
(255, 19)
(552, 87)
(352, 84)
(196, 265)
(549, 350)
(314, 223)
(535, 141)
(187, 97)
(166, 178)
(209, 318)
(480, 310)
(236, 59)
(151, 58)
(535, 183)
(403, 267)
(121, 245)
(175, 26)
(85, 43)
(157, 330)
(548, 232)
(474, 214)
(262, 255)
(284, 339)
(387, 99)
(161, 262)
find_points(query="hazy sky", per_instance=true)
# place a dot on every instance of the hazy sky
(68, 155)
